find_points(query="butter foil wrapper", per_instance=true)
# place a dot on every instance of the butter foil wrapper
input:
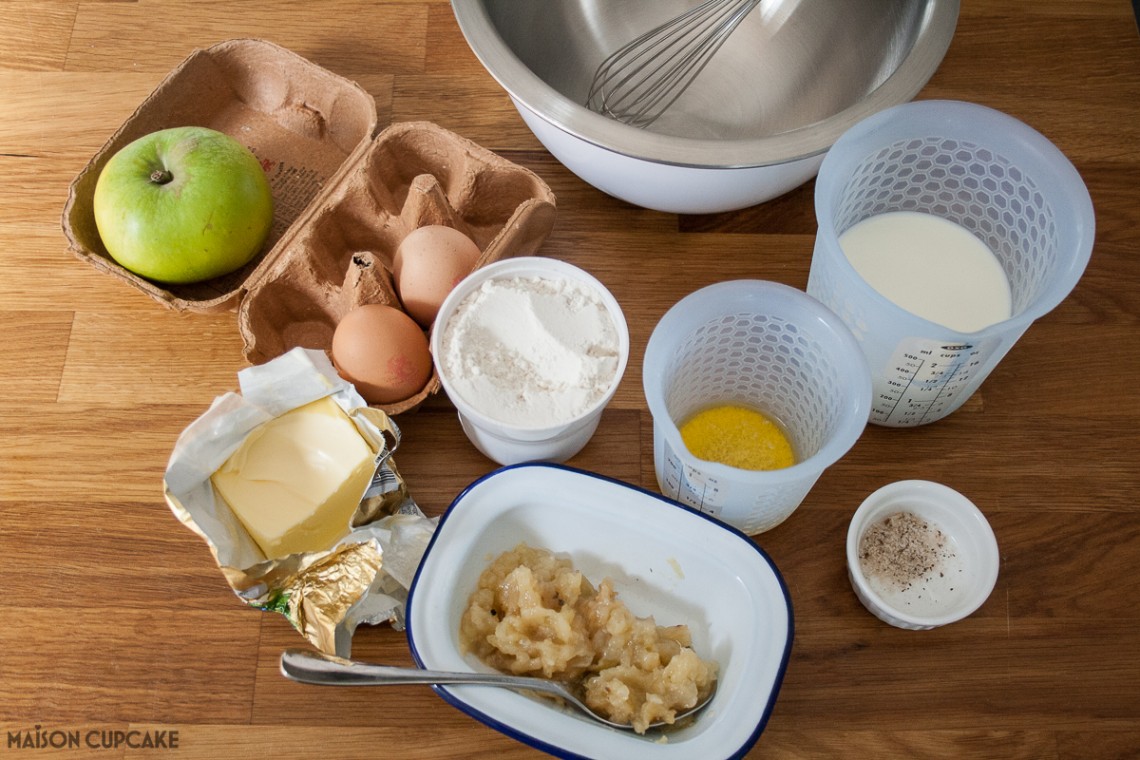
(325, 595)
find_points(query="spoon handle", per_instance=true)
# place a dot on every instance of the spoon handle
(327, 670)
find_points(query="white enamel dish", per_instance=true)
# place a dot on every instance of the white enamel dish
(665, 560)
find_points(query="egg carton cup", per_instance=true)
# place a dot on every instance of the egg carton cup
(412, 175)
(345, 193)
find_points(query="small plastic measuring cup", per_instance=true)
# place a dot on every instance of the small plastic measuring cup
(978, 168)
(769, 347)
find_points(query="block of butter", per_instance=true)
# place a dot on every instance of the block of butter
(296, 480)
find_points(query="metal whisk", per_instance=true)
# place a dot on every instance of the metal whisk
(638, 82)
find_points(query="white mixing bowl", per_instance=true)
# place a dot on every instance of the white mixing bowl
(756, 123)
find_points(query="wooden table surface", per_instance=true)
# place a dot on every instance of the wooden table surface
(115, 618)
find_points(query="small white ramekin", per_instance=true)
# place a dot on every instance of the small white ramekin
(969, 576)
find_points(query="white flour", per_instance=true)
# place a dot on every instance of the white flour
(530, 351)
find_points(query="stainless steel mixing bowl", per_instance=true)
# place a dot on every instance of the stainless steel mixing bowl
(757, 123)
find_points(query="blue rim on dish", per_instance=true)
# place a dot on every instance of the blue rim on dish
(638, 500)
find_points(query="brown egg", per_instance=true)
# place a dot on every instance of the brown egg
(383, 352)
(429, 262)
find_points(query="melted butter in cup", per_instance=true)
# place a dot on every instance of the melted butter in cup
(737, 436)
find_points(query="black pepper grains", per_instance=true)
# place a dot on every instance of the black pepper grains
(902, 549)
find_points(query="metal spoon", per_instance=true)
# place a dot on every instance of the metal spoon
(327, 670)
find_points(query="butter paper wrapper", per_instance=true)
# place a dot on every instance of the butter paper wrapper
(325, 595)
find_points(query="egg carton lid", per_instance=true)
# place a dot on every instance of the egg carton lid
(304, 123)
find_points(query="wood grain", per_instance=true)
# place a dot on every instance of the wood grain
(117, 618)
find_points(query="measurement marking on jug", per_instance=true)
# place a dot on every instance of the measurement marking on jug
(700, 505)
(941, 390)
(923, 379)
(696, 487)
(905, 388)
(688, 485)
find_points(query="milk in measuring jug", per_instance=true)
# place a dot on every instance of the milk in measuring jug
(931, 267)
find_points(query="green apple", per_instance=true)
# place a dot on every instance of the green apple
(183, 205)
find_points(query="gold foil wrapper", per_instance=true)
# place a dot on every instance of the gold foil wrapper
(325, 595)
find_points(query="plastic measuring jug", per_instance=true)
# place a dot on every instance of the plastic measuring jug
(988, 173)
(769, 347)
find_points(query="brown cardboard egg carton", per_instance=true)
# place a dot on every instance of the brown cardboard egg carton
(345, 193)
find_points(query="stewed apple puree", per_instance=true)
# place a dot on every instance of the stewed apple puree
(534, 614)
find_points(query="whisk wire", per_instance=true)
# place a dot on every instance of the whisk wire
(641, 80)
